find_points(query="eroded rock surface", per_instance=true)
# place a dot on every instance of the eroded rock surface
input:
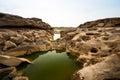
(7, 20)
(95, 43)
(12, 61)
(7, 72)
(94, 39)
(21, 78)
(105, 70)
(92, 42)
(19, 36)
(11, 74)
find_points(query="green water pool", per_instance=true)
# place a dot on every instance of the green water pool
(51, 65)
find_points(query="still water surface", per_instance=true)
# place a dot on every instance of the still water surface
(52, 65)
(56, 36)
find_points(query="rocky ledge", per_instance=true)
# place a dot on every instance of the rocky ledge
(97, 45)
(21, 36)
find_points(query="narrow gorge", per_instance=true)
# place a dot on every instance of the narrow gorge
(31, 49)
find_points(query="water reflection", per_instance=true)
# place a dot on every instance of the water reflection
(56, 36)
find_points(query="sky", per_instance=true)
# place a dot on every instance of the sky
(62, 13)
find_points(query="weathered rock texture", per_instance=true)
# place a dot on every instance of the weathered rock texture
(109, 69)
(10, 72)
(92, 42)
(7, 20)
(12, 61)
(21, 36)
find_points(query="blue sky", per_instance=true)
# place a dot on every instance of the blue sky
(69, 13)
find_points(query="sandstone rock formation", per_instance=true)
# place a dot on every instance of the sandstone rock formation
(10, 72)
(21, 78)
(59, 44)
(92, 42)
(7, 20)
(92, 38)
(19, 36)
(12, 61)
(95, 43)
(105, 70)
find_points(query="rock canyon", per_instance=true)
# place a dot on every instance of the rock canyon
(95, 44)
